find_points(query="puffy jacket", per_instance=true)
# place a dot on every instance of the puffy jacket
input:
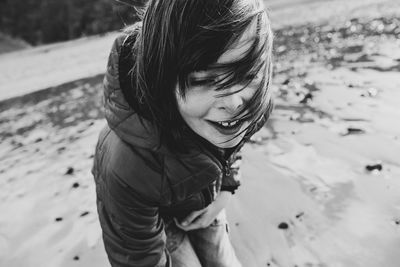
(140, 185)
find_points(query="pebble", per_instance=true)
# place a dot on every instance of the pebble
(286, 82)
(352, 130)
(372, 92)
(283, 226)
(306, 98)
(373, 167)
(69, 171)
(84, 213)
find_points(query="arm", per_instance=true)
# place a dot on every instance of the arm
(203, 218)
(133, 232)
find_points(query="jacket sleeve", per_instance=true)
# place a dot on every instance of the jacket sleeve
(133, 232)
(127, 201)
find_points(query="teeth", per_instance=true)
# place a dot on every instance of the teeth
(228, 124)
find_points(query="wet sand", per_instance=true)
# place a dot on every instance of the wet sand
(320, 183)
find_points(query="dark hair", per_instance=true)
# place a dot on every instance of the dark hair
(177, 37)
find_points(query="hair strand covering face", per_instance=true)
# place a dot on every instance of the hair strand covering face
(178, 37)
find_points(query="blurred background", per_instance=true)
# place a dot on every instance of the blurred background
(36, 22)
(320, 182)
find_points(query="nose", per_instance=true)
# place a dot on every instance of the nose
(232, 103)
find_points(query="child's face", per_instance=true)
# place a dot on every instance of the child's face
(203, 110)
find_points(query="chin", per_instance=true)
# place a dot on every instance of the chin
(229, 144)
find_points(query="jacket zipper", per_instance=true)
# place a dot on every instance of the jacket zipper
(227, 170)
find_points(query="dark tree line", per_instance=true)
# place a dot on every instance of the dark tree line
(46, 21)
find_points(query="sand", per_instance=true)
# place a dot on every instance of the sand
(320, 182)
(328, 161)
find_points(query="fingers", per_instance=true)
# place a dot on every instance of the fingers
(196, 224)
(191, 217)
(191, 226)
(184, 227)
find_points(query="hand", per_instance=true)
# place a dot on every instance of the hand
(203, 218)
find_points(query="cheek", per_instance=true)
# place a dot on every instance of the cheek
(195, 105)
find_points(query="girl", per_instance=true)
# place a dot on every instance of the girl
(185, 88)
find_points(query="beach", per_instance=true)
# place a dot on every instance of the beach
(320, 182)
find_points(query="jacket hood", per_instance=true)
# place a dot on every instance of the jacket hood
(130, 126)
(121, 118)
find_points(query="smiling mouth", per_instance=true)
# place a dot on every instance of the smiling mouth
(228, 124)
(227, 127)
